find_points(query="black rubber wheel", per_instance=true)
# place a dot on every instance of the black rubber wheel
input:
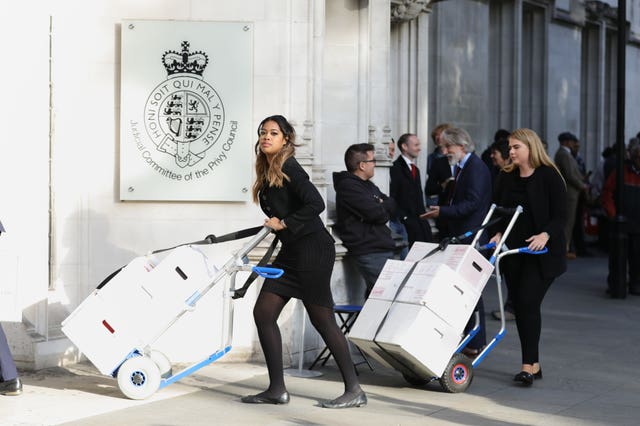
(415, 381)
(458, 375)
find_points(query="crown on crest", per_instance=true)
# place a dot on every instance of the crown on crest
(185, 62)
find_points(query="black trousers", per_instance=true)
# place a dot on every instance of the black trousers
(632, 248)
(527, 288)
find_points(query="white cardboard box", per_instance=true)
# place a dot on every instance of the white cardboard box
(364, 330)
(463, 259)
(135, 307)
(389, 280)
(416, 312)
(443, 291)
(415, 336)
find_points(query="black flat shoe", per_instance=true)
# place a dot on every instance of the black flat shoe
(524, 377)
(263, 399)
(538, 375)
(11, 387)
(360, 400)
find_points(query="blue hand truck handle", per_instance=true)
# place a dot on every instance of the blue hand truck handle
(487, 246)
(527, 251)
(267, 272)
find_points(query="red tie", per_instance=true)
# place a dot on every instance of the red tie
(414, 171)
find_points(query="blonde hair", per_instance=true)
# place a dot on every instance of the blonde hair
(271, 174)
(537, 154)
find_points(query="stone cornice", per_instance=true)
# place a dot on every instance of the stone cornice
(599, 10)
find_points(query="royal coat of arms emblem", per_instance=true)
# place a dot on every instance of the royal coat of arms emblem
(183, 115)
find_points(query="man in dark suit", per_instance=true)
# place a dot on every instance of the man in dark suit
(470, 197)
(406, 190)
(439, 172)
(468, 205)
(10, 383)
(439, 184)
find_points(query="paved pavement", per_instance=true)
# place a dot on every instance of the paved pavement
(590, 351)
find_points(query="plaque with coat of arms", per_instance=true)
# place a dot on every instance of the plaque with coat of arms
(186, 102)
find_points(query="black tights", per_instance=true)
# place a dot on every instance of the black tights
(527, 289)
(266, 312)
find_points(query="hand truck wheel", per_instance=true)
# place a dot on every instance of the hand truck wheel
(458, 375)
(138, 377)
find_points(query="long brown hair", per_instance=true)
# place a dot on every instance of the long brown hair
(271, 174)
(537, 154)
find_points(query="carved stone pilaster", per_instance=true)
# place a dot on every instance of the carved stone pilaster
(386, 141)
(304, 150)
(408, 10)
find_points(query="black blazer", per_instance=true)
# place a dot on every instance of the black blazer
(439, 172)
(407, 193)
(547, 196)
(471, 198)
(298, 202)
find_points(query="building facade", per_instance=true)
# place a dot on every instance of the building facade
(342, 72)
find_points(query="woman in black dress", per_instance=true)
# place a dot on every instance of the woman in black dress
(534, 182)
(307, 255)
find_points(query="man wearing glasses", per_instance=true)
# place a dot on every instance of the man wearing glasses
(363, 212)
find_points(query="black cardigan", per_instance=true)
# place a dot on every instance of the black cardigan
(298, 202)
(547, 195)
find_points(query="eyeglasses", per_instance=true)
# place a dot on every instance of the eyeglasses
(369, 161)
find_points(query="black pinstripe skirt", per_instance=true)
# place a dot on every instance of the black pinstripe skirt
(307, 263)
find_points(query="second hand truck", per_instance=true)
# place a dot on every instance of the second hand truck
(415, 314)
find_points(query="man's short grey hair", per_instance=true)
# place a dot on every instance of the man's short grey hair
(458, 136)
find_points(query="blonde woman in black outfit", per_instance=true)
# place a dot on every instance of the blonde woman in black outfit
(534, 182)
(307, 255)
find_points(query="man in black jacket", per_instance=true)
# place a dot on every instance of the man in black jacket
(363, 212)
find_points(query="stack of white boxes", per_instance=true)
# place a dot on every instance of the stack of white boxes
(419, 328)
(136, 305)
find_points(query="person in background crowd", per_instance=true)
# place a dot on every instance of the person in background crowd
(406, 189)
(578, 243)
(439, 175)
(293, 204)
(363, 212)
(394, 223)
(500, 154)
(631, 210)
(10, 383)
(569, 170)
(438, 149)
(500, 157)
(533, 182)
(487, 154)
